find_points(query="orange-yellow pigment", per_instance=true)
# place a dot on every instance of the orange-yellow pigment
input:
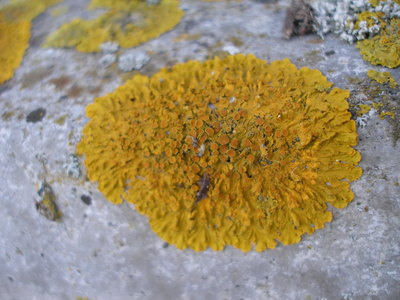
(232, 151)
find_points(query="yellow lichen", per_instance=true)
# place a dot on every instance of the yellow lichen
(14, 39)
(377, 105)
(382, 77)
(375, 3)
(15, 24)
(231, 151)
(363, 109)
(370, 18)
(387, 113)
(384, 48)
(127, 22)
(25, 10)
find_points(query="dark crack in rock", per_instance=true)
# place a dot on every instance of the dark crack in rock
(36, 115)
(86, 199)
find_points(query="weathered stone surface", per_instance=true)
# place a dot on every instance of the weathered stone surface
(104, 251)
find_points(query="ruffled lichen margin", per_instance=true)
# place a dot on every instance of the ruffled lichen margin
(230, 151)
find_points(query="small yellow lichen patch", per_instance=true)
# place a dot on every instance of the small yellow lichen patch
(374, 2)
(279, 149)
(127, 22)
(384, 48)
(387, 113)
(15, 24)
(377, 105)
(382, 77)
(363, 109)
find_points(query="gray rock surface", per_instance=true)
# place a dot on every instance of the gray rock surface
(102, 251)
(107, 60)
(133, 60)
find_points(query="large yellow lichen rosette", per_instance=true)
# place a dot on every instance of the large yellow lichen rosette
(230, 151)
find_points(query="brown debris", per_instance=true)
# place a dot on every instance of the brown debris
(204, 184)
(299, 19)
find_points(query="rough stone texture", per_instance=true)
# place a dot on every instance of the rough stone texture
(102, 251)
(133, 60)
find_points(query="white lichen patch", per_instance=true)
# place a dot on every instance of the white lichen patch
(107, 60)
(231, 49)
(342, 17)
(362, 121)
(132, 60)
(72, 166)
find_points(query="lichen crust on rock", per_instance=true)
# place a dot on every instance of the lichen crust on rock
(232, 151)
(14, 40)
(383, 49)
(126, 22)
(382, 77)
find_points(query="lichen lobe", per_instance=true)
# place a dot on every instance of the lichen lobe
(126, 22)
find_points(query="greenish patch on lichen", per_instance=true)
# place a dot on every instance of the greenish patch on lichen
(61, 120)
(47, 206)
(6, 116)
(236, 41)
